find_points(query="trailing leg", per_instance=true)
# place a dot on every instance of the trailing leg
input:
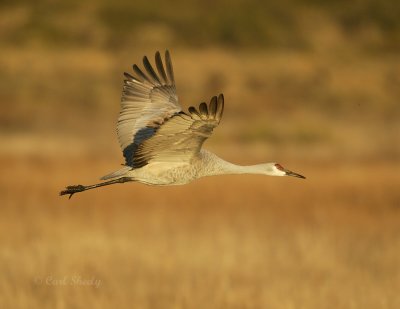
(71, 190)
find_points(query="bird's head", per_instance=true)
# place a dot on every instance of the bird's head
(276, 169)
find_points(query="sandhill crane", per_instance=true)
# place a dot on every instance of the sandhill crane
(162, 145)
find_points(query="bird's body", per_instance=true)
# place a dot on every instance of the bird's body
(175, 173)
(162, 145)
(205, 164)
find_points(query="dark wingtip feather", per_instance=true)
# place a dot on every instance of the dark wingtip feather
(160, 67)
(140, 74)
(193, 111)
(129, 76)
(213, 106)
(150, 70)
(203, 110)
(170, 70)
(220, 107)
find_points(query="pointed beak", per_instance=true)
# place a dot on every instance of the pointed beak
(290, 173)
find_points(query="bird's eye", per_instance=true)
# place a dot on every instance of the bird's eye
(279, 167)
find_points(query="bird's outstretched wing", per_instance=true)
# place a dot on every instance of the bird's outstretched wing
(180, 137)
(147, 101)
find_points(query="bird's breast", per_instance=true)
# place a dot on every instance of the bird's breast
(165, 173)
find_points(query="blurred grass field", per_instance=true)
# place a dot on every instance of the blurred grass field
(331, 241)
(314, 86)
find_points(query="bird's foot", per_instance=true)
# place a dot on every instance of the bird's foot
(71, 190)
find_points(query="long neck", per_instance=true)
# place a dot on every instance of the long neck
(230, 168)
(214, 165)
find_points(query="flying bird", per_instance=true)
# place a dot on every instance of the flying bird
(162, 144)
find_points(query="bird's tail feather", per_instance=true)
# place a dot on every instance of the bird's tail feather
(119, 173)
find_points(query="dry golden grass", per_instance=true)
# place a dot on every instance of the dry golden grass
(331, 241)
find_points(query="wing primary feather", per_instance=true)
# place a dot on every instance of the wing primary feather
(150, 70)
(160, 67)
(170, 70)
(129, 76)
(213, 107)
(203, 110)
(140, 73)
(194, 113)
(220, 107)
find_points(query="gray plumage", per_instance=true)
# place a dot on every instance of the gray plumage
(161, 144)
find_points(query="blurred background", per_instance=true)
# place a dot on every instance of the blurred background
(313, 85)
